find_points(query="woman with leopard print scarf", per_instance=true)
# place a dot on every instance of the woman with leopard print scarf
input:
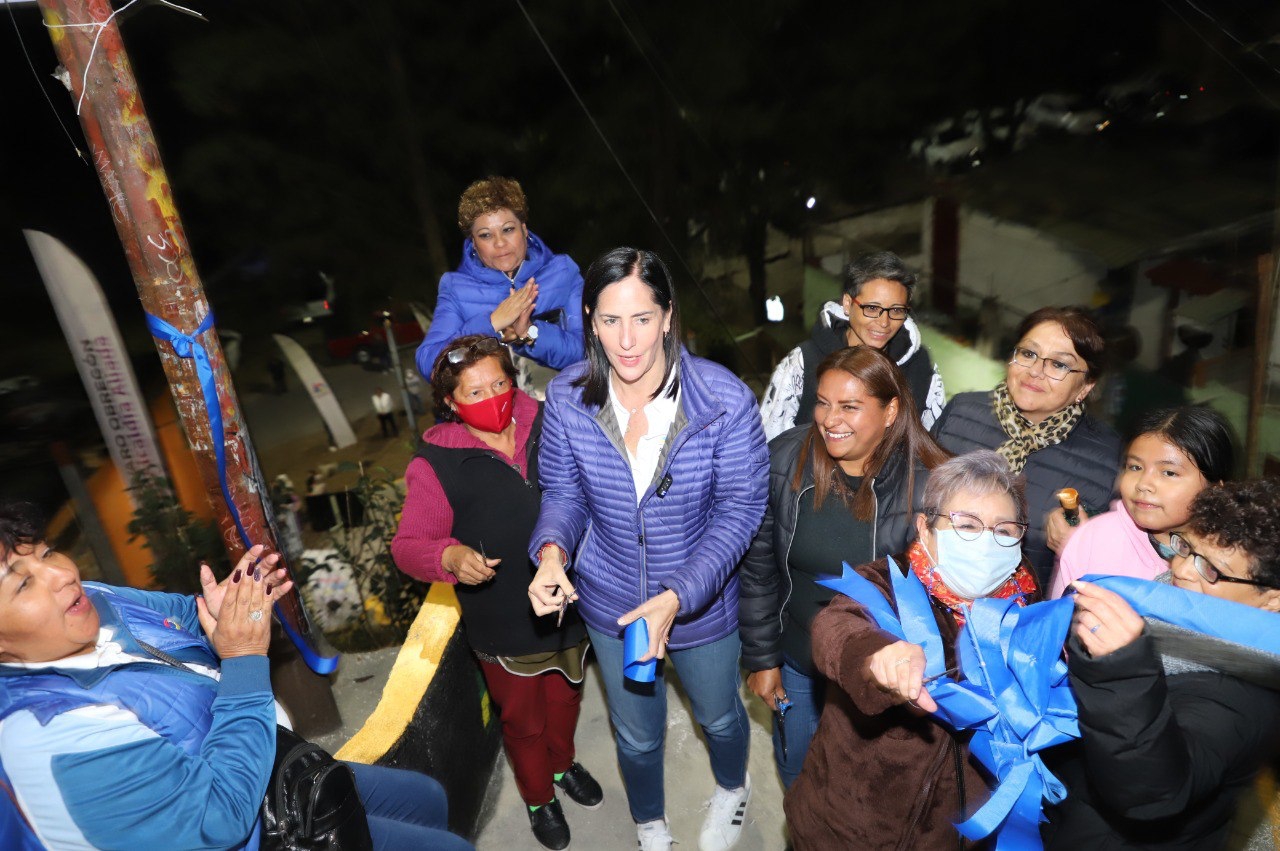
(1036, 419)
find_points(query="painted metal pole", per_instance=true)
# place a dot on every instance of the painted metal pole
(124, 152)
(393, 355)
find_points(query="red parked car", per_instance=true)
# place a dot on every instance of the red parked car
(370, 345)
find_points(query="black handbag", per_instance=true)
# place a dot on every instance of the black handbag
(311, 802)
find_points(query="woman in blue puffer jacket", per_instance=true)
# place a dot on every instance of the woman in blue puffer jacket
(654, 474)
(509, 284)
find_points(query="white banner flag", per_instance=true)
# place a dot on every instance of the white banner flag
(326, 403)
(100, 356)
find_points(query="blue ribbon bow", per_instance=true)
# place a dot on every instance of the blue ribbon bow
(1015, 694)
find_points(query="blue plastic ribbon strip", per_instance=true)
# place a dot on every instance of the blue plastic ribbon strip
(189, 346)
(635, 643)
(1014, 693)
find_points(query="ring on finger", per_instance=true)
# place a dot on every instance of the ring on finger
(1094, 629)
(255, 615)
(904, 660)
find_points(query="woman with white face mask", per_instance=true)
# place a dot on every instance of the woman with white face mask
(881, 771)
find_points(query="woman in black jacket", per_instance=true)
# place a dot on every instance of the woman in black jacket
(1035, 418)
(843, 488)
(1166, 745)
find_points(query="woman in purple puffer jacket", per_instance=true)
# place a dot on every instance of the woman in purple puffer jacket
(654, 474)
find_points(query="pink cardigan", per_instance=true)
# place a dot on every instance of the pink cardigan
(423, 535)
(1110, 543)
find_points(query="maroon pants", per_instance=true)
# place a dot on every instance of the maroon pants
(539, 715)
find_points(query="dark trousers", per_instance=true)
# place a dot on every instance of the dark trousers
(539, 716)
(388, 424)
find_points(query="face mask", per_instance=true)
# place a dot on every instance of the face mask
(1165, 551)
(974, 569)
(491, 415)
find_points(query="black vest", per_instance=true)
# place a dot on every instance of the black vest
(494, 511)
(918, 369)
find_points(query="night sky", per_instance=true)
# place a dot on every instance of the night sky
(337, 136)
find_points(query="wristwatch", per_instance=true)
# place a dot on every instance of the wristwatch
(530, 337)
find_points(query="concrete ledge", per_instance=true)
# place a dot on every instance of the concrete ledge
(434, 715)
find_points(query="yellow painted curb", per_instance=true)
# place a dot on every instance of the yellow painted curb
(411, 675)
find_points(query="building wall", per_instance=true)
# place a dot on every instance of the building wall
(1023, 268)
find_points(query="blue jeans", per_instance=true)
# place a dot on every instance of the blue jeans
(807, 695)
(406, 809)
(639, 713)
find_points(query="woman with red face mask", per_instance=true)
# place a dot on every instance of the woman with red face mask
(472, 502)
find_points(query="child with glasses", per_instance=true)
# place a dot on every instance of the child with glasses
(1176, 454)
(1166, 744)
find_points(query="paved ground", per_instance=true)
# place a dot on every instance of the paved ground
(689, 783)
(357, 687)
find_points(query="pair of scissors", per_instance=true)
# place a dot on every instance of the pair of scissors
(780, 718)
(485, 556)
(949, 672)
(564, 607)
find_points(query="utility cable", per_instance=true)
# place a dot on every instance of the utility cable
(636, 189)
(40, 84)
(1169, 5)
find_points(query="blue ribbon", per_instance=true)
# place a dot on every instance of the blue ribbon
(635, 643)
(1015, 695)
(188, 346)
(1212, 616)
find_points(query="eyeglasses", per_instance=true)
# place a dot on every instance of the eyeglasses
(968, 526)
(1206, 568)
(458, 355)
(873, 311)
(1055, 369)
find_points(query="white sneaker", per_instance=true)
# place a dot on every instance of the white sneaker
(654, 835)
(726, 811)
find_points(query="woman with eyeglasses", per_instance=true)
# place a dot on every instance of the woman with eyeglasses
(472, 502)
(1166, 745)
(842, 489)
(509, 286)
(653, 467)
(875, 311)
(881, 771)
(1176, 453)
(1036, 419)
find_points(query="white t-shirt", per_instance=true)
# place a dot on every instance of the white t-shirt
(660, 413)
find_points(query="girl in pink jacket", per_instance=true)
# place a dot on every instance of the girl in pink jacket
(1176, 453)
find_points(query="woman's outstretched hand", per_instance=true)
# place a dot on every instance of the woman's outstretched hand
(660, 612)
(899, 671)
